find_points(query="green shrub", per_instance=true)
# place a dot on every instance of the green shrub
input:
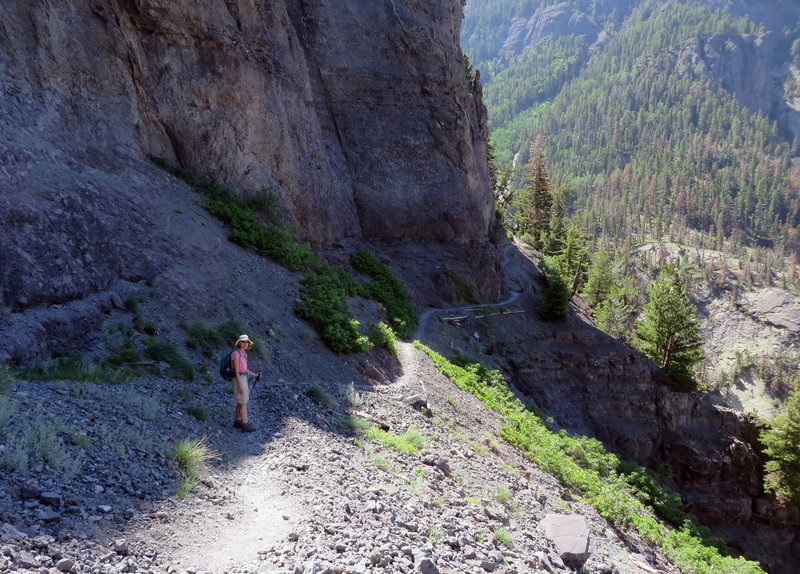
(381, 335)
(465, 291)
(356, 425)
(349, 395)
(82, 440)
(388, 291)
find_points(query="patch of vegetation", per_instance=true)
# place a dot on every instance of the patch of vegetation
(82, 440)
(197, 412)
(192, 457)
(7, 379)
(325, 289)
(465, 291)
(503, 536)
(583, 464)
(388, 290)
(410, 441)
(208, 339)
(75, 369)
(503, 494)
(321, 396)
(781, 438)
(556, 292)
(323, 303)
(381, 335)
(180, 365)
(349, 396)
(33, 441)
(381, 462)
(356, 425)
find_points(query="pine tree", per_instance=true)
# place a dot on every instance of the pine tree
(782, 441)
(670, 331)
(600, 280)
(534, 202)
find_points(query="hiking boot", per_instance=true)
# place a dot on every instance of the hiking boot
(246, 427)
(237, 424)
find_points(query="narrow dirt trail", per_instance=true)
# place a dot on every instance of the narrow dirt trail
(230, 523)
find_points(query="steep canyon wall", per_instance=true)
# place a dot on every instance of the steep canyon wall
(356, 113)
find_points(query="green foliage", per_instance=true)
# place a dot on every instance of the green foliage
(534, 201)
(583, 464)
(192, 456)
(670, 321)
(600, 280)
(209, 339)
(650, 147)
(180, 365)
(781, 439)
(75, 369)
(503, 494)
(7, 378)
(410, 441)
(465, 291)
(197, 412)
(503, 536)
(323, 303)
(389, 291)
(381, 335)
(321, 396)
(556, 292)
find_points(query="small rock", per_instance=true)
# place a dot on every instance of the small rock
(426, 566)
(121, 546)
(51, 499)
(104, 508)
(25, 560)
(570, 534)
(65, 564)
(29, 490)
(49, 516)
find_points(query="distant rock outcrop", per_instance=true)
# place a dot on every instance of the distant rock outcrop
(356, 114)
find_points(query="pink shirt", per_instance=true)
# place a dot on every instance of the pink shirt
(242, 356)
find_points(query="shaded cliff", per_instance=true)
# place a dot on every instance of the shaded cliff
(357, 115)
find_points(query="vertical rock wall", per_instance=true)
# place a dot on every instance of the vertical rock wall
(356, 113)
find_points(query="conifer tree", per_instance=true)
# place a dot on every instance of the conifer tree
(600, 280)
(670, 331)
(534, 202)
(782, 441)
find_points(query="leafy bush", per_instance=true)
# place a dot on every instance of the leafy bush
(381, 335)
(209, 339)
(180, 366)
(503, 494)
(503, 536)
(388, 291)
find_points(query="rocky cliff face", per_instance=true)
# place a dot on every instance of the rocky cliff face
(357, 114)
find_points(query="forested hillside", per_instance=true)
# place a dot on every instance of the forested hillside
(661, 117)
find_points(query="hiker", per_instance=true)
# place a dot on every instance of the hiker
(241, 387)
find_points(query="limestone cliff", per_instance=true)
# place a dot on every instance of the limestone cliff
(357, 114)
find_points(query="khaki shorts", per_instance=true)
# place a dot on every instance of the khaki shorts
(241, 399)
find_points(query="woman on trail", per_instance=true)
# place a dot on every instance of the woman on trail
(241, 387)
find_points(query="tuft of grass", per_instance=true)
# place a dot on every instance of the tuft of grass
(503, 494)
(503, 536)
(381, 462)
(180, 365)
(356, 425)
(411, 441)
(192, 457)
(197, 412)
(320, 396)
(82, 440)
